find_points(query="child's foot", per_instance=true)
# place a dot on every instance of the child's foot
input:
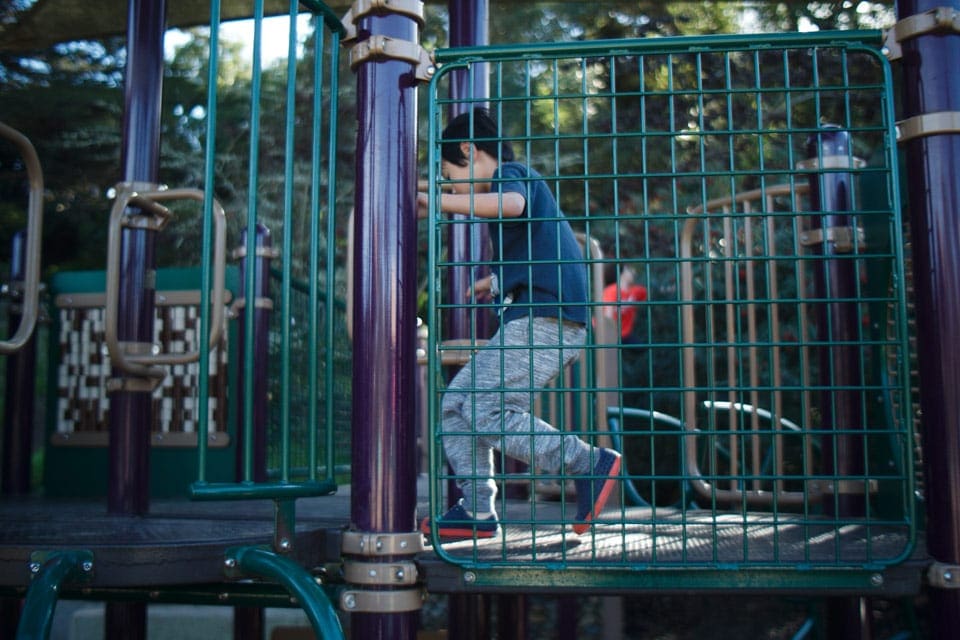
(594, 489)
(458, 523)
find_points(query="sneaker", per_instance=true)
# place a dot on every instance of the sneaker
(594, 489)
(457, 523)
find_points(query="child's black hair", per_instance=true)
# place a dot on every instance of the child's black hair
(485, 136)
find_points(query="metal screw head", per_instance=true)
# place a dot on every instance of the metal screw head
(948, 576)
(469, 577)
(230, 563)
(284, 544)
(349, 601)
(87, 566)
(876, 580)
(400, 574)
(34, 567)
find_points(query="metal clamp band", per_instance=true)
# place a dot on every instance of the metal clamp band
(397, 601)
(381, 544)
(378, 47)
(841, 237)
(928, 124)
(944, 576)
(380, 573)
(413, 9)
(259, 252)
(938, 19)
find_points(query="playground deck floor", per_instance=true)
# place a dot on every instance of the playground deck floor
(182, 542)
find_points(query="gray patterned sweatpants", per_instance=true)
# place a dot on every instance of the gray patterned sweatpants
(488, 406)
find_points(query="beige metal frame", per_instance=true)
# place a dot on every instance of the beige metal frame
(753, 494)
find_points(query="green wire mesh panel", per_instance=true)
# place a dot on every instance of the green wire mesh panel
(756, 385)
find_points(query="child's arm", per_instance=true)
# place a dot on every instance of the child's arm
(484, 205)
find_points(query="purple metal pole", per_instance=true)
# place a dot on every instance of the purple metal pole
(130, 415)
(252, 444)
(384, 461)
(467, 242)
(18, 409)
(841, 405)
(931, 83)
(130, 411)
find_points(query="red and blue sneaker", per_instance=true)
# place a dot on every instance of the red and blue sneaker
(594, 489)
(458, 523)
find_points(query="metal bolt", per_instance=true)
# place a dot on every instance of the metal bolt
(373, 573)
(34, 567)
(223, 597)
(230, 563)
(403, 544)
(379, 544)
(87, 566)
(400, 574)
(876, 580)
(469, 577)
(284, 544)
(948, 576)
(349, 601)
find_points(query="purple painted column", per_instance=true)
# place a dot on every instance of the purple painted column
(252, 443)
(130, 415)
(841, 403)
(384, 475)
(467, 243)
(931, 83)
(18, 409)
(130, 411)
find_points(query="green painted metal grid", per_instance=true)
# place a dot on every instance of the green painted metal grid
(727, 465)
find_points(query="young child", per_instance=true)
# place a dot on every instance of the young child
(539, 280)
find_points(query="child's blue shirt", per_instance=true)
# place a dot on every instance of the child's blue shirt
(540, 262)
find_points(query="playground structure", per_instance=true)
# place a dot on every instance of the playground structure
(769, 439)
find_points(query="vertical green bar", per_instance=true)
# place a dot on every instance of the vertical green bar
(333, 128)
(312, 277)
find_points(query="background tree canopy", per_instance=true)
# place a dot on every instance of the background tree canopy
(69, 101)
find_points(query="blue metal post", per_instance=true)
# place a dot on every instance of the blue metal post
(384, 490)
(931, 84)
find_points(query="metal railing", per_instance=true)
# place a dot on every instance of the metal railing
(759, 426)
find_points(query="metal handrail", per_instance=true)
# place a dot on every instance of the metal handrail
(148, 198)
(756, 495)
(31, 282)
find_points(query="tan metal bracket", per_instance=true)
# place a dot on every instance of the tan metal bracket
(928, 124)
(258, 303)
(381, 544)
(841, 237)
(361, 8)
(844, 487)
(944, 576)
(259, 252)
(380, 573)
(379, 47)
(134, 385)
(396, 601)
(939, 19)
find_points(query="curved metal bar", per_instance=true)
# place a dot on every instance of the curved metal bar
(31, 282)
(295, 579)
(148, 198)
(41, 602)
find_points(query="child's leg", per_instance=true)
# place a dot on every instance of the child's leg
(525, 372)
(488, 406)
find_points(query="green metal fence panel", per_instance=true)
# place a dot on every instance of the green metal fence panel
(290, 197)
(761, 397)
